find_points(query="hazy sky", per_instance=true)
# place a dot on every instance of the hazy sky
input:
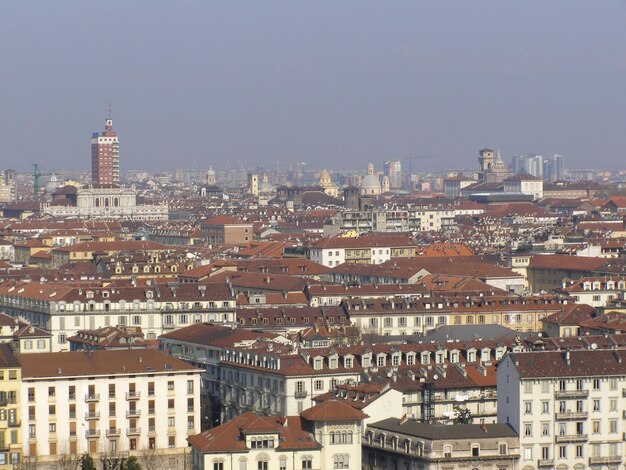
(330, 83)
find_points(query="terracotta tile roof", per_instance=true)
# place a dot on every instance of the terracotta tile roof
(582, 363)
(73, 364)
(209, 334)
(571, 314)
(230, 436)
(333, 410)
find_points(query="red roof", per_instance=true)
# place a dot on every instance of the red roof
(333, 410)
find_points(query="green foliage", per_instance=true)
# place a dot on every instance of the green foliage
(87, 463)
(132, 463)
(462, 415)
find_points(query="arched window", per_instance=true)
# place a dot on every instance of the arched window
(106, 202)
(116, 202)
(97, 202)
(341, 461)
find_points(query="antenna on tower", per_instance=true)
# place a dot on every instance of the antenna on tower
(109, 110)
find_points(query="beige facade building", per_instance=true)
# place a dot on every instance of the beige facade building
(110, 404)
(567, 407)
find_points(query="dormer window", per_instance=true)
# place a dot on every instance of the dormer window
(333, 362)
(89, 294)
(148, 294)
(318, 363)
(347, 362)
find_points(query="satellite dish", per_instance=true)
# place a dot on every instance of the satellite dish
(435, 377)
(594, 346)
(540, 335)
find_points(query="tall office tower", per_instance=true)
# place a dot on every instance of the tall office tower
(105, 156)
(548, 170)
(558, 171)
(393, 170)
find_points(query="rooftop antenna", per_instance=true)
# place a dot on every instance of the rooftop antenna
(109, 110)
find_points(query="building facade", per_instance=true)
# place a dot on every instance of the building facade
(105, 156)
(110, 404)
(566, 406)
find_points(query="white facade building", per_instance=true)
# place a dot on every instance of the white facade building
(108, 403)
(567, 407)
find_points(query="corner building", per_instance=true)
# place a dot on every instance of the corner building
(108, 403)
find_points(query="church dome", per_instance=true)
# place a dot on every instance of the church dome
(370, 183)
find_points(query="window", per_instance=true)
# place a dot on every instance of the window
(545, 429)
(341, 461)
(262, 465)
(307, 463)
(595, 427)
(596, 384)
(51, 392)
(528, 407)
(475, 451)
(545, 407)
(596, 405)
(562, 452)
(528, 429)
(502, 449)
(171, 421)
(319, 385)
(447, 452)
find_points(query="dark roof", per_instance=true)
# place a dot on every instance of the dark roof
(582, 363)
(444, 431)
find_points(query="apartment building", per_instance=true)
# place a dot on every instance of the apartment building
(567, 407)
(407, 444)
(411, 316)
(201, 346)
(596, 291)
(64, 310)
(324, 437)
(138, 402)
(334, 251)
(10, 411)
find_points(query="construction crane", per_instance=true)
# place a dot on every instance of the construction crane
(37, 174)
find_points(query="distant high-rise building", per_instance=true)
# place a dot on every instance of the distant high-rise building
(393, 170)
(558, 170)
(105, 156)
(549, 169)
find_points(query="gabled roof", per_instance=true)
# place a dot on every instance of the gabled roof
(333, 410)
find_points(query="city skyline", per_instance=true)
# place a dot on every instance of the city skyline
(313, 82)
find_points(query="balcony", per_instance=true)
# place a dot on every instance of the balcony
(134, 395)
(14, 424)
(113, 432)
(605, 460)
(133, 431)
(92, 433)
(546, 463)
(133, 413)
(92, 397)
(624, 392)
(300, 394)
(571, 415)
(92, 415)
(151, 431)
(572, 438)
(565, 394)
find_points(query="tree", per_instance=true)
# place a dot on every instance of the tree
(69, 462)
(151, 459)
(132, 463)
(462, 415)
(87, 463)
